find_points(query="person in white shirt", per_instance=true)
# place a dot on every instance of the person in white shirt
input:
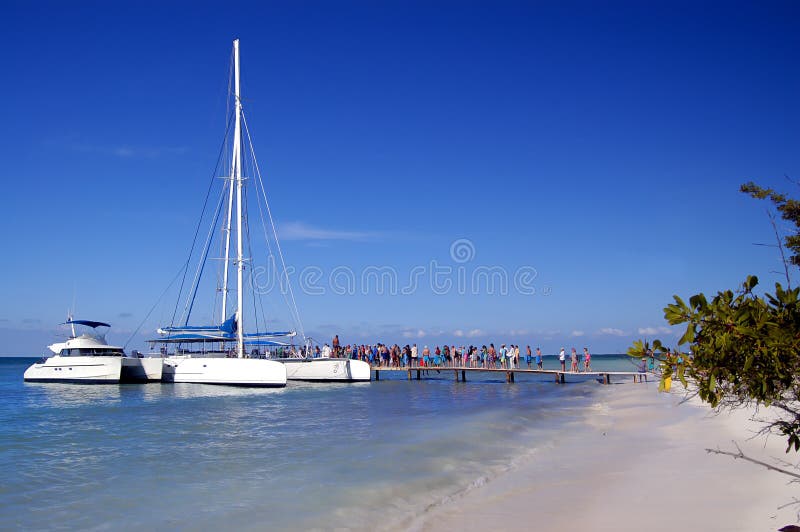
(562, 357)
(414, 356)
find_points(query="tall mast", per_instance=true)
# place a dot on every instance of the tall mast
(237, 157)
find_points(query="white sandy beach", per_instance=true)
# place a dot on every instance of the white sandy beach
(641, 466)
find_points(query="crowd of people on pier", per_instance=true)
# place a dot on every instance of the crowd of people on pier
(451, 356)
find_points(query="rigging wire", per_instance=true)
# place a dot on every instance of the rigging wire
(271, 259)
(295, 314)
(199, 221)
(222, 272)
(201, 266)
(269, 256)
(223, 263)
(272, 224)
(250, 254)
(172, 282)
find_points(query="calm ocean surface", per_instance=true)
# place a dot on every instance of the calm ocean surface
(197, 457)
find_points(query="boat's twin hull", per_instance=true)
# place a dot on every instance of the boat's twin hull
(326, 369)
(84, 370)
(227, 371)
(148, 369)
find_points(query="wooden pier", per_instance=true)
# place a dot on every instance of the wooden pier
(460, 373)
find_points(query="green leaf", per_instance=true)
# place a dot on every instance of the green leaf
(688, 336)
(698, 301)
(682, 375)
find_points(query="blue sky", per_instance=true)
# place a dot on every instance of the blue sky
(599, 145)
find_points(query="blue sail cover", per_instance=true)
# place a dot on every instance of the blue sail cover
(228, 326)
(226, 332)
(266, 338)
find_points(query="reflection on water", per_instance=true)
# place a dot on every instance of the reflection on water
(58, 395)
(68, 395)
(182, 390)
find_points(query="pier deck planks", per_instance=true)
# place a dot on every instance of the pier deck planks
(460, 373)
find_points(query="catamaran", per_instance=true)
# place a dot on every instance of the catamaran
(217, 354)
(225, 353)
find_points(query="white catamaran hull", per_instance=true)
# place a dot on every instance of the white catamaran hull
(148, 369)
(228, 371)
(76, 369)
(326, 369)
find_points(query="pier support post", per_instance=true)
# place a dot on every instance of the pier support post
(409, 374)
(463, 376)
(377, 374)
(559, 378)
(456, 373)
(606, 378)
(418, 372)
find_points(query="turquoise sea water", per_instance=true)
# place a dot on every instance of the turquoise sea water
(358, 456)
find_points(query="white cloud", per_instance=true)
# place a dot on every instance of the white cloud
(458, 333)
(475, 333)
(518, 332)
(612, 332)
(127, 151)
(654, 330)
(576, 334)
(303, 231)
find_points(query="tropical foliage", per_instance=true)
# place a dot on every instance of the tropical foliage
(741, 348)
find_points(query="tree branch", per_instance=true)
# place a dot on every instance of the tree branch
(780, 248)
(741, 455)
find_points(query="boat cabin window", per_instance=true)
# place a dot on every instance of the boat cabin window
(92, 352)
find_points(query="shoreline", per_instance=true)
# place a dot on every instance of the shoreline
(638, 462)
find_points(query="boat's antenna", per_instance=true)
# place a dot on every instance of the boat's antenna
(71, 313)
(74, 295)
